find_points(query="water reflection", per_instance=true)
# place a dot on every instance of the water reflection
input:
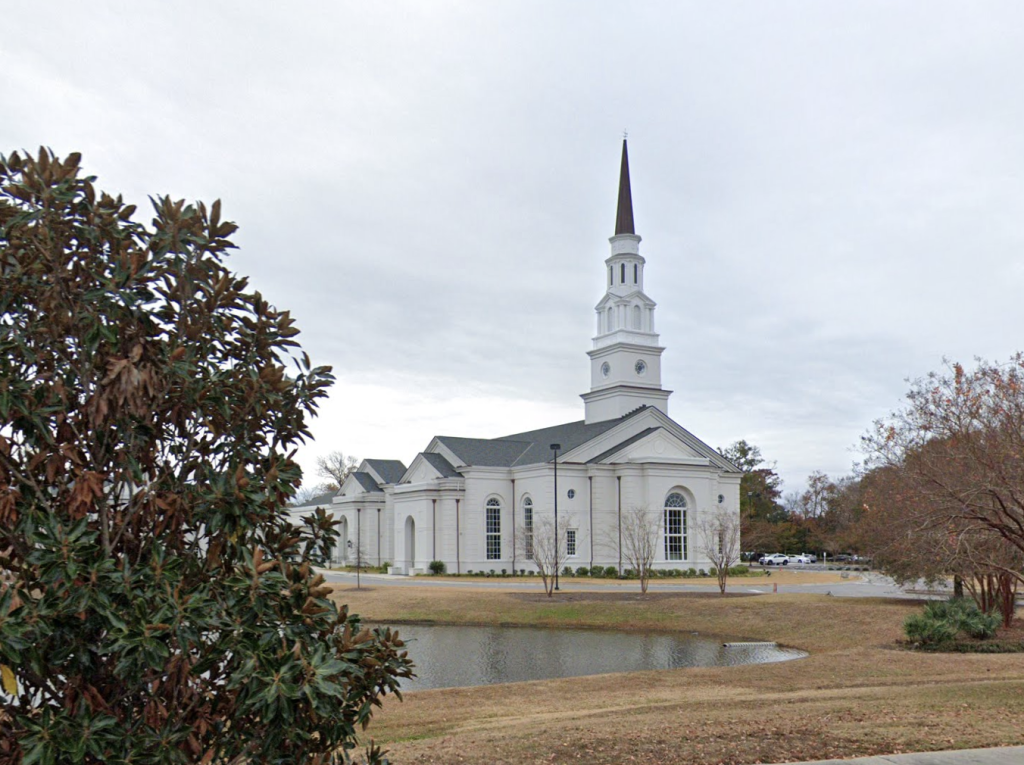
(453, 656)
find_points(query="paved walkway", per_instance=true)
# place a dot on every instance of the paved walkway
(860, 585)
(1007, 755)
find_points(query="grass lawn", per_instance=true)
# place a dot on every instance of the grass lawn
(856, 694)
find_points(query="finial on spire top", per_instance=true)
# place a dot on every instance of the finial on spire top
(624, 213)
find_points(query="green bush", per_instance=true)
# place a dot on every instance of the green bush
(739, 570)
(713, 571)
(611, 572)
(438, 567)
(925, 630)
(942, 620)
(965, 615)
(582, 571)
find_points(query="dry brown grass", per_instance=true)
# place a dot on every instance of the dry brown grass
(856, 694)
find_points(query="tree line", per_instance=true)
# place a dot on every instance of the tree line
(939, 496)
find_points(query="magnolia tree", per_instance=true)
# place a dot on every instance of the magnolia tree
(156, 603)
(718, 540)
(954, 462)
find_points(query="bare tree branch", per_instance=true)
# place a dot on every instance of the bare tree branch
(718, 538)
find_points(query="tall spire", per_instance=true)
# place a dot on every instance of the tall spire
(625, 362)
(624, 214)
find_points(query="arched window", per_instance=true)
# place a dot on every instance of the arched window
(636, 317)
(611, 276)
(528, 526)
(622, 273)
(675, 527)
(636, 270)
(493, 529)
(611, 322)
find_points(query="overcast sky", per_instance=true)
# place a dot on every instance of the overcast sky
(830, 194)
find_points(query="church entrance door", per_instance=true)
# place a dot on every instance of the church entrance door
(410, 544)
(342, 543)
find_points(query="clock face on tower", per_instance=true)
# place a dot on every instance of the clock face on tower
(640, 367)
(606, 369)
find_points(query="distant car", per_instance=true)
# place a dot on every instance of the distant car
(812, 556)
(802, 558)
(775, 559)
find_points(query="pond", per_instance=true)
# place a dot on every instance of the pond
(453, 656)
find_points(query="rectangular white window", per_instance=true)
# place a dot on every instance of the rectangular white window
(570, 543)
(528, 523)
(675, 533)
(493, 529)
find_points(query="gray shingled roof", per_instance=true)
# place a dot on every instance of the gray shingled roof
(570, 435)
(527, 448)
(366, 481)
(488, 452)
(534, 446)
(327, 498)
(441, 465)
(390, 470)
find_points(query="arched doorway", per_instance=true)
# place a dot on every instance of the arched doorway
(341, 546)
(410, 544)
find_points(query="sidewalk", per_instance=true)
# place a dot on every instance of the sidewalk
(1007, 755)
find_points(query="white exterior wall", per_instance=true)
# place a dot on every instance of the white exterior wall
(642, 485)
(483, 484)
(432, 506)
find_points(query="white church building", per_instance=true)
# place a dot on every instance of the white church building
(473, 502)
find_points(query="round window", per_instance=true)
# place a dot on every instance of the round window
(606, 369)
(571, 493)
(640, 367)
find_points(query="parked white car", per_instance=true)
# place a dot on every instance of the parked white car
(775, 559)
(802, 558)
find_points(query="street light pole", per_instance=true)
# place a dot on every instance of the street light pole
(555, 448)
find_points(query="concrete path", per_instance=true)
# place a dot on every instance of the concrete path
(1007, 755)
(862, 585)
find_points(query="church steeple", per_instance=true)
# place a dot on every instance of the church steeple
(624, 212)
(625, 362)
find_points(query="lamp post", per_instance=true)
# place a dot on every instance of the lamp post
(555, 448)
(359, 545)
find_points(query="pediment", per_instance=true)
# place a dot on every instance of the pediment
(351, 486)
(633, 426)
(631, 298)
(421, 471)
(654, 445)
